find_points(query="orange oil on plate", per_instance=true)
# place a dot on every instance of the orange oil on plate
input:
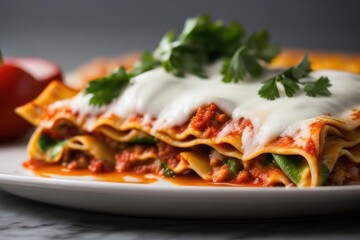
(43, 169)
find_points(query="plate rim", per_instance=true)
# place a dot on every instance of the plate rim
(33, 181)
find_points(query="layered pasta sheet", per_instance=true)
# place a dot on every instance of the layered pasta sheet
(325, 151)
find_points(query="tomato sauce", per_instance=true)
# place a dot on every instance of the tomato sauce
(43, 169)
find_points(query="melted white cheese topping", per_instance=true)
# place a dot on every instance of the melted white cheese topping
(172, 101)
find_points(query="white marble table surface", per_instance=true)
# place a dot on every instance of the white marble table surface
(25, 219)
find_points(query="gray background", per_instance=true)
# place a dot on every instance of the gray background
(70, 32)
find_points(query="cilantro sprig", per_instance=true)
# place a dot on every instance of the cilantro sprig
(289, 79)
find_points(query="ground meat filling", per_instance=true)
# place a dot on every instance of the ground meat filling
(210, 120)
(81, 160)
(150, 158)
(345, 172)
(138, 158)
(146, 158)
(257, 172)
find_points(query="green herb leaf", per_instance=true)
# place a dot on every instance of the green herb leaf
(320, 87)
(201, 42)
(290, 86)
(269, 90)
(105, 89)
(146, 63)
(234, 69)
(246, 59)
(300, 70)
(290, 81)
(233, 36)
(167, 171)
(260, 47)
(234, 166)
(179, 57)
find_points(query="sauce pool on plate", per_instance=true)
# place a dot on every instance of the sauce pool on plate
(42, 169)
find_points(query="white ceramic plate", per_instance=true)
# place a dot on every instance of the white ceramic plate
(163, 199)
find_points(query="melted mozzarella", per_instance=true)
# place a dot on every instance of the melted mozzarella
(170, 100)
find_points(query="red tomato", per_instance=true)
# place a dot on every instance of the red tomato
(21, 80)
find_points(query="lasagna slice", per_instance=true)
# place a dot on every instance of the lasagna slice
(224, 133)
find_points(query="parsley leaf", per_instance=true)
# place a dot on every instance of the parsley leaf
(247, 58)
(300, 70)
(201, 42)
(290, 81)
(269, 90)
(105, 89)
(178, 57)
(320, 87)
(146, 63)
(234, 69)
(290, 86)
(261, 47)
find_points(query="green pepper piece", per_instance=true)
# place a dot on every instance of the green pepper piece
(293, 166)
(50, 146)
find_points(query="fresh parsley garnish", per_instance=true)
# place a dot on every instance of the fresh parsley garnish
(248, 57)
(146, 63)
(320, 87)
(202, 42)
(289, 79)
(105, 89)
(234, 69)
